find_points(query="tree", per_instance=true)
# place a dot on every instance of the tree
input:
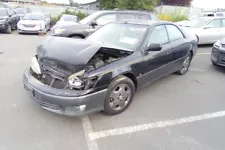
(129, 4)
(71, 2)
(137, 4)
(176, 2)
(107, 4)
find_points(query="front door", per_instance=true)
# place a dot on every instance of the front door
(222, 29)
(211, 31)
(103, 20)
(157, 61)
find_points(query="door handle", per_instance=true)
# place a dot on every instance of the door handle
(167, 53)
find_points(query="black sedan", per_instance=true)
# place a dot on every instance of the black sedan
(218, 53)
(102, 72)
(8, 20)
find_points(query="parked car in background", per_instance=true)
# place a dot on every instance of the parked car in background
(208, 29)
(214, 14)
(218, 53)
(34, 23)
(22, 11)
(103, 71)
(8, 20)
(96, 20)
(65, 20)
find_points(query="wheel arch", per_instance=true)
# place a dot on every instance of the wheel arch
(80, 35)
(132, 77)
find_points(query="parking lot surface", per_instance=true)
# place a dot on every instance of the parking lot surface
(175, 113)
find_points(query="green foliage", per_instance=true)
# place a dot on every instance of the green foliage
(137, 4)
(174, 17)
(107, 4)
(79, 14)
(129, 4)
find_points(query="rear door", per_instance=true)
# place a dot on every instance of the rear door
(180, 46)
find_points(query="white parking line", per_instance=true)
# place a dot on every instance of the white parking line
(92, 145)
(160, 124)
(203, 54)
(198, 70)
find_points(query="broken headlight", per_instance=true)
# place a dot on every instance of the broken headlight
(77, 82)
(35, 65)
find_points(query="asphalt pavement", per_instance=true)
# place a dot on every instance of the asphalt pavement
(175, 113)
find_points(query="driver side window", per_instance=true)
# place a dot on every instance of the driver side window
(158, 36)
(214, 24)
(102, 20)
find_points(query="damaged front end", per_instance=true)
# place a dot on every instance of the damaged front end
(62, 63)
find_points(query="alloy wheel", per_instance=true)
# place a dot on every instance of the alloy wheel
(120, 97)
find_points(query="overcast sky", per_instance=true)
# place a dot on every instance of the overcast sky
(208, 4)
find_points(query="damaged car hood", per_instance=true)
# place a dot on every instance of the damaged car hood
(74, 54)
(65, 50)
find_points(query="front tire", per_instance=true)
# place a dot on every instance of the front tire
(185, 65)
(119, 95)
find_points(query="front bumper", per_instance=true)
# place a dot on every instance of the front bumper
(63, 101)
(218, 56)
(3, 27)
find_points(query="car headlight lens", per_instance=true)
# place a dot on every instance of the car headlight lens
(217, 44)
(35, 65)
(74, 80)
(59, 31)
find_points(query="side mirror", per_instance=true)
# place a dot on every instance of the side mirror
(207, 27)
(93, 23)
(154, 47)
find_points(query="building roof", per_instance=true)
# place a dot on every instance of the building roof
(91, 2)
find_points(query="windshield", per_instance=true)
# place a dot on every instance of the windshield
(20, 11)
(33, 17)
(3, 12)
(89, 18)
(198, 22)
(68, 18)
(126, 36)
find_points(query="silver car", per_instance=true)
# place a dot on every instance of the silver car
(34, 23)
(207, 29)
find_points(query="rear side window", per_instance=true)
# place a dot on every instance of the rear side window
(223, 22)
(107, 18)
(219, 15)
(144, 17)
(128, 17)
(174, 33)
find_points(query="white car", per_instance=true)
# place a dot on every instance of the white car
(207, 29)
(34, 23)
(66, 20)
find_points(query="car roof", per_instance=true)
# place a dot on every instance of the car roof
(36, 13)
(126, 11)
(148, 23)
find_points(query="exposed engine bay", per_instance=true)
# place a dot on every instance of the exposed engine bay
(61, 77)
(105, 56)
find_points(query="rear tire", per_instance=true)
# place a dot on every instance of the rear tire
(9, 29)
(120, 94)
(185, 65)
